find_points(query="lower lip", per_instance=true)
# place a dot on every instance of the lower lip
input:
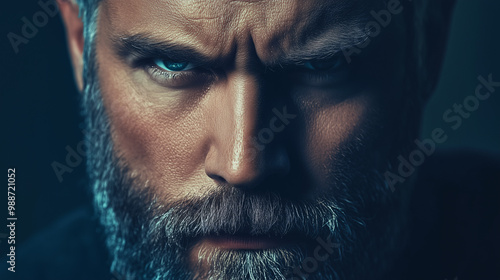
(245, 242)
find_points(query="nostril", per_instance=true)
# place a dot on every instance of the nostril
(217, 178)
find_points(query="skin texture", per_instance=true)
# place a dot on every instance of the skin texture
(189, 135)
(189, 139)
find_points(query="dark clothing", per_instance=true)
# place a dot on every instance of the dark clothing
(455, 230)
(456, 219)
(72, 249)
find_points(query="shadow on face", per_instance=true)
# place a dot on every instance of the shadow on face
(235, 107)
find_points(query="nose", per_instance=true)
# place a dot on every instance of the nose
(244, 148)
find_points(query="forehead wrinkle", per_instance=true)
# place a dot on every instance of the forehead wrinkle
(165, 20)
(275, 26)
(311, 32)
(201, 10)
(217, 25)
(328, 43)
(288, 29)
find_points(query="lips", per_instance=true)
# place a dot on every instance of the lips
(248, 242)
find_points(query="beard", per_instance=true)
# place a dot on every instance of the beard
(150, 239)
(357, 225)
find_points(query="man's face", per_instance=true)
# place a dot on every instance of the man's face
(250, 135)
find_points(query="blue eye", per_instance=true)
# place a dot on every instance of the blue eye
(325, 65)
(173, 66)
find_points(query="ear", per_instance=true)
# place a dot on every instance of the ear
(74, 35)
(436, 30)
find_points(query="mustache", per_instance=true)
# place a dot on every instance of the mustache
(233, 211)
(146, 231)
(223, 211)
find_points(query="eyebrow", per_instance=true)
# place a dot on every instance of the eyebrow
(134, 48)
(145, 46)
(328, 45)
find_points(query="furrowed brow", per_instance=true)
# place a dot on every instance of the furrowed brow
(144, 46)
(327, 45)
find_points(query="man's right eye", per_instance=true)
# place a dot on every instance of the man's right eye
(173, 66)
(172, 74)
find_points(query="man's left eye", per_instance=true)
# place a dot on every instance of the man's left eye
(172, 66)
(331, 64)
(322, 73)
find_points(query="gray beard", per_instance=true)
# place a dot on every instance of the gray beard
(150, 239)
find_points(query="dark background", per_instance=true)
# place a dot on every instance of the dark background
(39, 106)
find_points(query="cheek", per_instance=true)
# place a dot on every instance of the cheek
(165, 147)
(331, 133)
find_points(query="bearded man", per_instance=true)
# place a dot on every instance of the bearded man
(259, 139)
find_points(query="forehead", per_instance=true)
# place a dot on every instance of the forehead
(218, 27)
